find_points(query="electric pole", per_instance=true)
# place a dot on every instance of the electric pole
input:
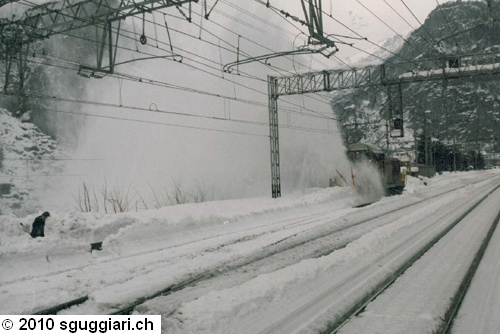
(387, 134)
(415, 139)
(454, 155)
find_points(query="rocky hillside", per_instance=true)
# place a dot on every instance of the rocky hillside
(29, 160)
(464, 110)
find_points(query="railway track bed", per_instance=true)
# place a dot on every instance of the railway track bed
(340, 286)
(338, 248)
(430, 292)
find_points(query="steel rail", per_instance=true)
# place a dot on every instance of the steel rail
(55, 309)
(336, 325)
(452, 312)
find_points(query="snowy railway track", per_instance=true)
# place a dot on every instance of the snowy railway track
(287, 223)
(335, 301)
(326, 244)
(298, 221)
(290, 223)
(445, 326)
(458, 298)
(286, 245)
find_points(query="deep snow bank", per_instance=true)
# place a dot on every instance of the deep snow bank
(120, 231)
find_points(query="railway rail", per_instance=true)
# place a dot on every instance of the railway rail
(450, 314)
(289, 244)
(464, 287)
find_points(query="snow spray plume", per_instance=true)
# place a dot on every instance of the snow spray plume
(78, 47)
(46, 77)
(151, 148)
(368, 181)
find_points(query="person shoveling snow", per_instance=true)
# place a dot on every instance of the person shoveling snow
(38, 227)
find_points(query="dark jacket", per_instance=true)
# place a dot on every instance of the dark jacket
(38, 227)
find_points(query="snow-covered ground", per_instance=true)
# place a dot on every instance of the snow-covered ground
(266, 265)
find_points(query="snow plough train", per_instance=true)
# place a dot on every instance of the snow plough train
(368, 155)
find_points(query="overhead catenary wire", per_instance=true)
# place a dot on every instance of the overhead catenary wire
(258, 18)
(355, 47)
(406, 21)
(453, 35)
(365, 38)
(287, 20)
(428, 43)
(204, 71)
(410, 25)
(447, 22)
(190, 126)
(464, 31)
(387, 25)
(150, 38)
(362, 50)
(283, 14)
(240, 84)
(156, 39)
(177, 113)
(232, 17)
(423, 26)
(399, 14)
(161, 84)
(143, 80)
(215, 62)
(375, 44)
(233, 51)
(274, 67)
(359, 36)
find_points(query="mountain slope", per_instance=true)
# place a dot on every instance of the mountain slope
(30, 158)
(464, 110)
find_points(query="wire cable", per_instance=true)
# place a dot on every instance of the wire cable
(362, 37)
(211, 60)
(277, 69)
(447, 23)
(189, 126)
(142, 80)
(388, 26)
(204, 71)
(423, 26)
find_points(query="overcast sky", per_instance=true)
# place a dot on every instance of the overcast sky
(355, 16)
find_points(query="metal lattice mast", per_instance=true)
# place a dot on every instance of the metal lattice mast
(59, 17)
(53, 18)
(274, 138)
